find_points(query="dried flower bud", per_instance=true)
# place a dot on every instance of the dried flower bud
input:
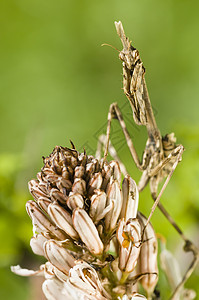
(148, 256)
(129, 236)
(79, 186)
(58, 256)
(95, 183)
(62, 219)
(87, 231)
(114, 196)
(171, 268)
(85, 280)
(75, 200)
(130, 198)
(98, 206)
(53, 288)
(37, 243)
(35, 189)
(41, 222)
(57, 195)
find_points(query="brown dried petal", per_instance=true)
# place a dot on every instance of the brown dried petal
(90, 168)
(116, 170)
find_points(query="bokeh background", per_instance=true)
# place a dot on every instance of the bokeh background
(56, 84)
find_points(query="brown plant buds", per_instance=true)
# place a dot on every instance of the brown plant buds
(129, 237)
(130, 198)
(58, 256)
(62, 219)
(148, 256)
(87, 231)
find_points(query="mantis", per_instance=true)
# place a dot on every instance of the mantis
(161, 155)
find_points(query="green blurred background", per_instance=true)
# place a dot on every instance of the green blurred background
(56, 84)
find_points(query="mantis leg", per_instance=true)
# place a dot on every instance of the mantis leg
(114, 112)
(189, 246)
(102, 143)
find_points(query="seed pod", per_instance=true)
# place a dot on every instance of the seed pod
(87, 231)
(130, 198)
(148, 256)
(129, 236)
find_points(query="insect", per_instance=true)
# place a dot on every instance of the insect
(161, 155)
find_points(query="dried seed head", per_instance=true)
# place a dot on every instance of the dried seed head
(74, 193)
